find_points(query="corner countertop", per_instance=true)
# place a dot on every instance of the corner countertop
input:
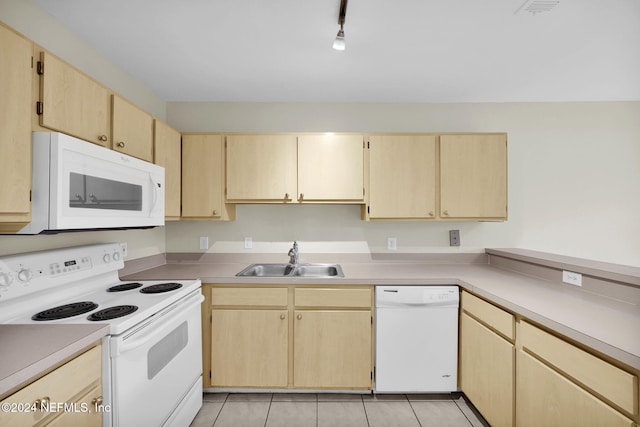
(607, 325)
(28, 351)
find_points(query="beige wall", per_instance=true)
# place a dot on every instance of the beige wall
(40, 27)
(574, 177)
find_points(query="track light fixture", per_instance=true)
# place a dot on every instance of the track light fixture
(338, 43)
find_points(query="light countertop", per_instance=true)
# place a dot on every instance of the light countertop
(28, 351)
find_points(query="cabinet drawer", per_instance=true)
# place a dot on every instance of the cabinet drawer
(610, 382)
(328, 297)
(257, 297)
(67, 382)
(491, 315)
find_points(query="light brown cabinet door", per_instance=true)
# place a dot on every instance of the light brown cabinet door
(330, 168)
(132, 130)
(487, 371)
(546, 398)
(73, 103)
(202, 176)
(473, 176)
(402, 180)
(332, 349)
(249, 348)
(261, 168)
(167, 153)
(15, 127)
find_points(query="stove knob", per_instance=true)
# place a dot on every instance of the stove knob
(106, 258)
(116, 256)
(5, 279)
(25, 275)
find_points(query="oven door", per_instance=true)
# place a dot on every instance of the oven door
(155, 365)
(93, 187)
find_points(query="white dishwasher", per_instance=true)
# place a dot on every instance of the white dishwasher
(416, 339)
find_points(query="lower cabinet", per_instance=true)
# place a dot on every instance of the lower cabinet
(534, 378)
(67, 396)
(288, 336)
(487, 371)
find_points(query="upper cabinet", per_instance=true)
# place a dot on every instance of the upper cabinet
(402, 181)
(168, 154)
(331, 168)
(202, 178)
(286, 168)
(132, 130)
(71, 102)
(15, 130)
(473, 176)
(261, 168)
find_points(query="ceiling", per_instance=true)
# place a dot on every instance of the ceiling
(397, 50)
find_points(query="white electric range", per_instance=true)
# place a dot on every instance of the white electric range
(152, 357)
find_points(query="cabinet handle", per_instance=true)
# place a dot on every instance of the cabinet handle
(430, 213)
(215, 212)
(301, 196)
(102, 138)
(286, 196)
(282, 316)
(97, 401)
(446, 213)
(120, 144)
(299, 316)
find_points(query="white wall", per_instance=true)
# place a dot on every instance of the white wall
(574, 177)
(39, 26)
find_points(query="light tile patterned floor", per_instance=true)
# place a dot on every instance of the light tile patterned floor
(336, 410)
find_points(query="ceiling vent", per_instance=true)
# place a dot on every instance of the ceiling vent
(536, 6)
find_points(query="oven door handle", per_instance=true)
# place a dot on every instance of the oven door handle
(147, 333)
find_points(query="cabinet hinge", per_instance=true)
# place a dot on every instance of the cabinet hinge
(209, 374)
(32, 62)
(363, 191)
(368, 144)
(368, 210)
(40, 68)
(39, 108)
(30, 194)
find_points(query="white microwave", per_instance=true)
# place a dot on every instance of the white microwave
(77, 185)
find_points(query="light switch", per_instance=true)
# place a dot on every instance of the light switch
(204, 242)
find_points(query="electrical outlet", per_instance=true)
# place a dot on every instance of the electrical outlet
(392, 243)
(123, 250)
(572, 278)
(248, 242)
(454, 237)
(204, 242)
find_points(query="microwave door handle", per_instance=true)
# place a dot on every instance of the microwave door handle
(154, 199)
(159, 328)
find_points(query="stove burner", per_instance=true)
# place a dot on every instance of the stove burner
(64, 311)
(112, 313)
(124, 287)
(160, 288)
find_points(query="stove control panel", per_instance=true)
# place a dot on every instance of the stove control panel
(24, 274)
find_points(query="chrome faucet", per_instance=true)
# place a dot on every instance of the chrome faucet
(293, 254)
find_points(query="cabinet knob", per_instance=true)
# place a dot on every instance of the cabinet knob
(43, 404)
(282, 316)
(430, 213)
(446, 213)
(286, 196)
(102, 138)
(299, 316)
(97, 401)
(215, 212)
(301, 196)
(120, 144)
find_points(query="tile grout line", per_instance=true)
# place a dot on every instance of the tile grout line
(224, 402)
(364, 407)
(268, 411)
(414, 411)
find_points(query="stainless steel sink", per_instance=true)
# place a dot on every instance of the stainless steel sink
(290, 270)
